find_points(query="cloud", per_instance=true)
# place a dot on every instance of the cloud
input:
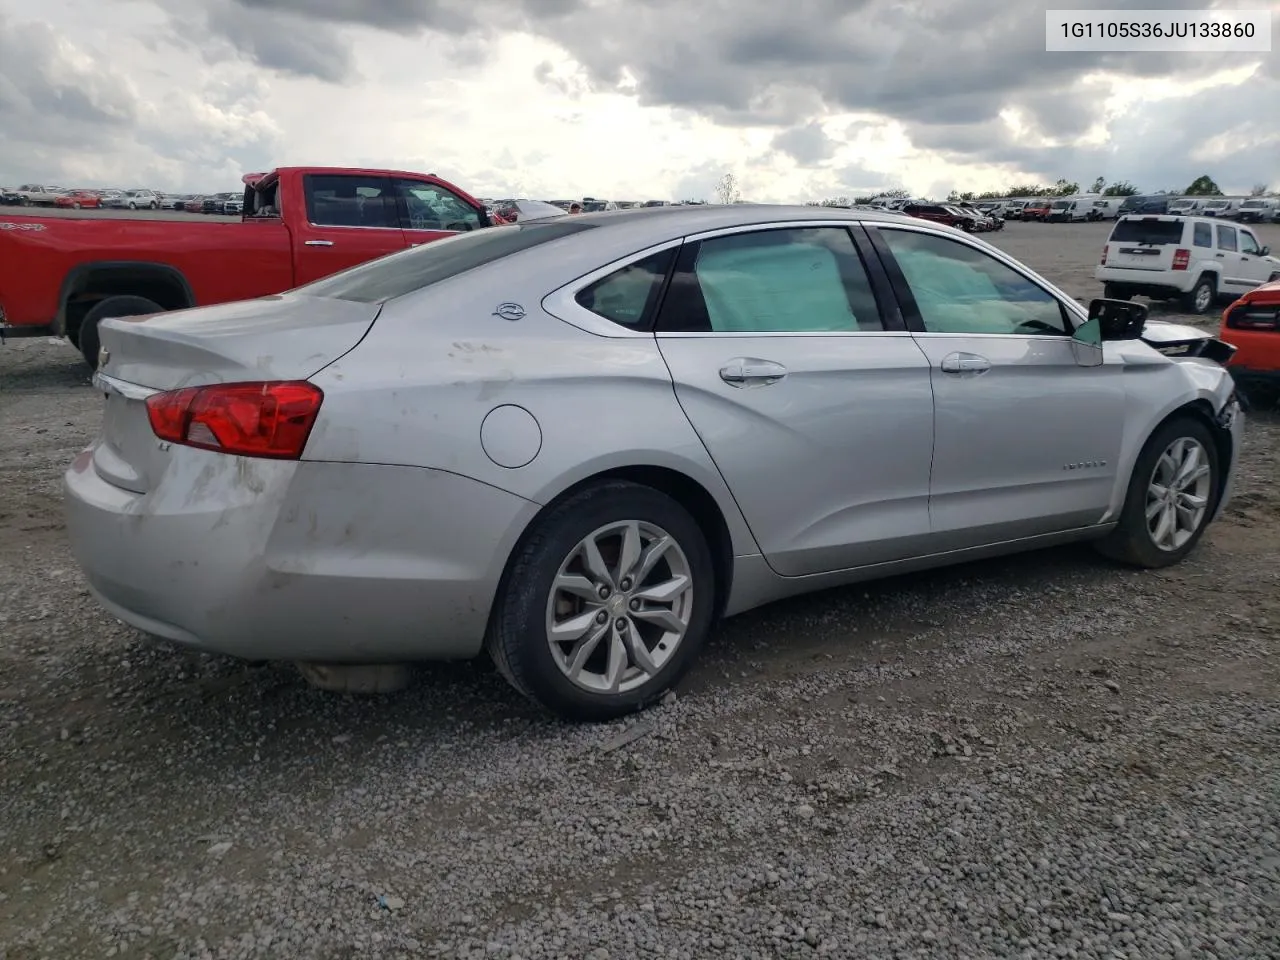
(807, 144)
(637, 98)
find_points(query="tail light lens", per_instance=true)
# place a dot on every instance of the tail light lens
(245, 419)
(1254, 318)
(1105, 248)
(1181, 259)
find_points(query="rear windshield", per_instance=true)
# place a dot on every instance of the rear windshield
(1148, 231)
(400, 273)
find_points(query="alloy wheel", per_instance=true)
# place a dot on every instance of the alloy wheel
(619, 606)
(1204, 297)
(1178, 494)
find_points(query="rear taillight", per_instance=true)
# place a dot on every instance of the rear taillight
(1181, 259)
(1254, 318)
(1105, 248)
(246, 419)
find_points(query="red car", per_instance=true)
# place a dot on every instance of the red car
(62, 275)
(1037, 210)
(79, 199)
(194, 205)
(1252, 326)
(939, 213)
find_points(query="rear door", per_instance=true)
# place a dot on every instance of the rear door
(1144, 243)
(350, 218)
(429, 210)
(811, 398)
(1234, 277)
(1026, 442)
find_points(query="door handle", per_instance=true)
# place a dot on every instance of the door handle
(317, 243)
(965, 363)
(750, 371)
(1219, 255)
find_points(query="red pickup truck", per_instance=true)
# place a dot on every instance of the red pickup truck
(62, 275)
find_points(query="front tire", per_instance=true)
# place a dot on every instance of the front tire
(1172, 494)
(122, 306)
(605, 604)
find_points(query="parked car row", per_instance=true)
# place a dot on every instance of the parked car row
(42, 195)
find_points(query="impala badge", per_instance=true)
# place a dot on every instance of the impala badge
(509, 311)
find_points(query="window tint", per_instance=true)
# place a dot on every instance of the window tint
(959, 289)
(1203, 235)
(429, 206)
(627, 296)
(1247, 243)
(799, 280)
(1150, 231)
(349, 201)
(1226, 238)
(389, 277)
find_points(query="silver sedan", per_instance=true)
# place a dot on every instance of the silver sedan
(578, 442)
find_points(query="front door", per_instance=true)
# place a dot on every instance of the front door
(818, 415)
(1026, 442)
(350, 219)
(1255, 269)
(430, 211)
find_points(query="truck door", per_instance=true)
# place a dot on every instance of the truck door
(429, 210)
(350, 218)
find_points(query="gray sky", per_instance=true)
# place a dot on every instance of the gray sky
(635, 99)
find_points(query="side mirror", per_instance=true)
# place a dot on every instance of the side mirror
(1118, 319)
(1264, 252)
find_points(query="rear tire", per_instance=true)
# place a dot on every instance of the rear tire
(636, 636)
(1134, 539)
(122, 306)
(1112, 291)
(1201, 296)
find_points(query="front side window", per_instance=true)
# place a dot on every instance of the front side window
(349, 200)
(628, 296)
(797, 280)
(1248, 244)
(1227, 238)
(959, 289)
(430, 206)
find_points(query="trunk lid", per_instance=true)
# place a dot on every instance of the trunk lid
(1144, 243)
(285, 337)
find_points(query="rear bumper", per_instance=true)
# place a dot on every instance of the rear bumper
(1147, 282)
(274, 560)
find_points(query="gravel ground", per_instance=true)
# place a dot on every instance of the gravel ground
(1044, 756)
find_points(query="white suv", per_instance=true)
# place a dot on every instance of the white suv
(1194, 259)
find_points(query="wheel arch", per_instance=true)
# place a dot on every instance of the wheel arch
(88, 283)
(692, 495)
(1202, 409)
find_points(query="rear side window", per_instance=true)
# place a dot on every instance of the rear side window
(1203, 235)
(410, 270)
(1154, 232)
(349, 200)
(628, 296)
